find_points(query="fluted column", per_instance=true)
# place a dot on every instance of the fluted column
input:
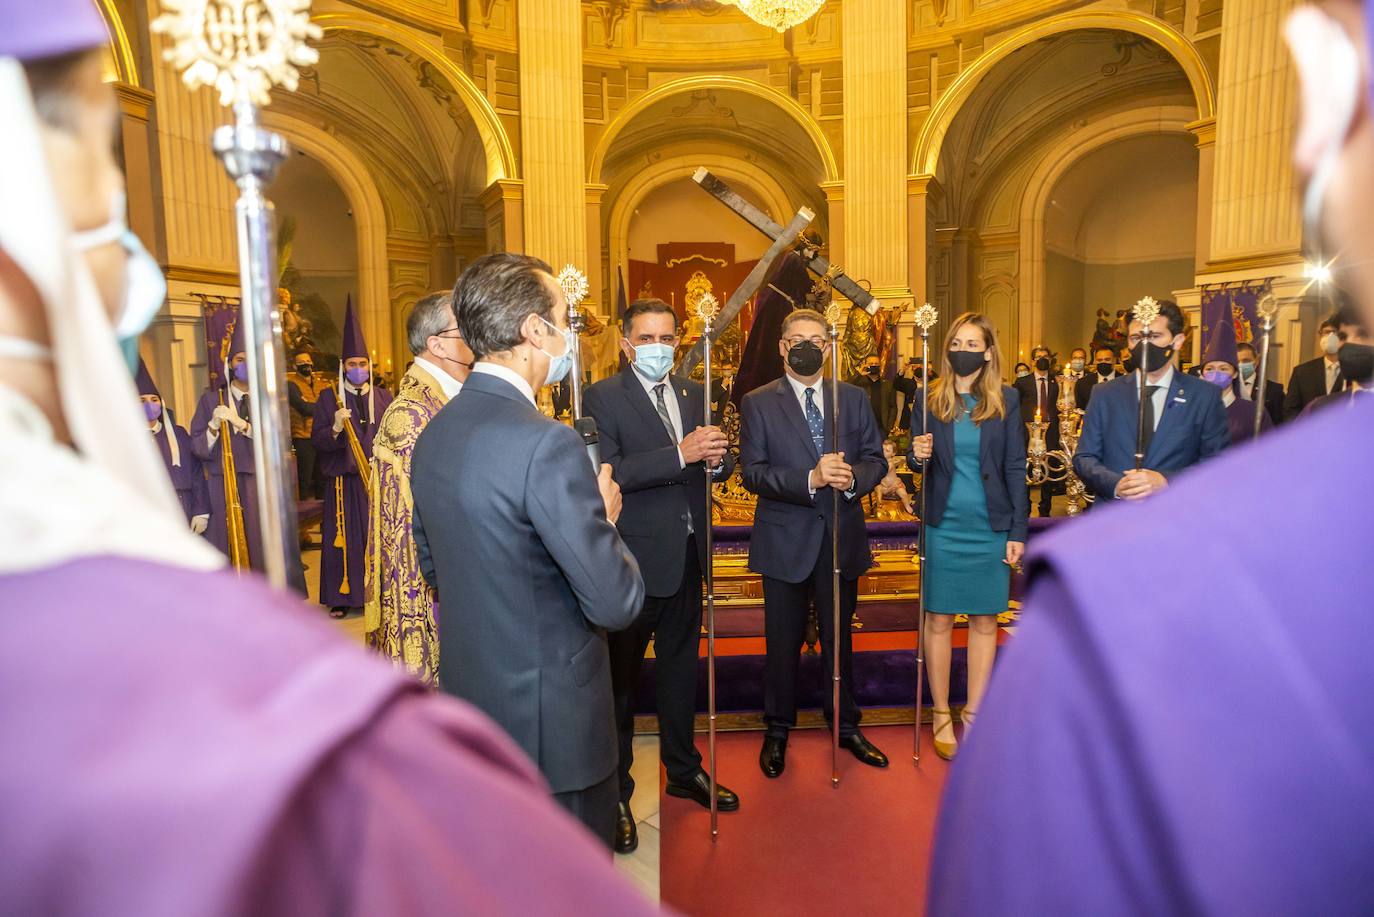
(875, 146)
(551, 131)
(1254, 195)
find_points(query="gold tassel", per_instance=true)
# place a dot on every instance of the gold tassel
(340, 541)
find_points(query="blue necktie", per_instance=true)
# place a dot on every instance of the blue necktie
(815, 422)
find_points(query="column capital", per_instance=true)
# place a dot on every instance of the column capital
(503, 189)
(134, 101)
(595, 192)
(920, 184)
(1205, 130)
(833, 190)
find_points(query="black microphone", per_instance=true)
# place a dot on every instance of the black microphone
(586, 426)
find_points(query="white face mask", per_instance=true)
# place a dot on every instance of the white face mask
(1331, 344)
(145, 287)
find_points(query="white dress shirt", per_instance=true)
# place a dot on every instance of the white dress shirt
(1161, 395)
(818, 398)
(669, 401)
(450, 385)
(1333, 369)
(508, 375)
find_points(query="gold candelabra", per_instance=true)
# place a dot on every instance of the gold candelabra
(1051, 466)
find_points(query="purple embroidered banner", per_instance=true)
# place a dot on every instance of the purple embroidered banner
(1234, 303)
(221, 315)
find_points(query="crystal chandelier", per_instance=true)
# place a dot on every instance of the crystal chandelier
(780, 14)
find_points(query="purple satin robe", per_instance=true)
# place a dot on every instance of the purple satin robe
(218, 533)
(229, 753)
(334, 461)
(1184, 723)
(189, 477)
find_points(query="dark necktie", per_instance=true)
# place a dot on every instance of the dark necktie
(663, 413)
(243, 408)
(815, 422)
(1040, 403)
(1149, 417)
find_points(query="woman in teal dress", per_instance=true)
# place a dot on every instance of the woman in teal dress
(973, 461)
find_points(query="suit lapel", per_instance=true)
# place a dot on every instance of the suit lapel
(1173, 412)
(643, 406)
(791, 408)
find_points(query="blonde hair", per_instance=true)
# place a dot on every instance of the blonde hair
(945, 402)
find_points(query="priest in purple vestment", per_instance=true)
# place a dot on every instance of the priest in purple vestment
(224, 408)
(174, 444)
(346, 422)
(178, 740)
(1202, 742)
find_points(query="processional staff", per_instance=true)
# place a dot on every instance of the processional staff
(1268, 309)
(832, 318)
(575, 287)
(1146, 311)
(243, 48)
(707, 308)
(926, 316)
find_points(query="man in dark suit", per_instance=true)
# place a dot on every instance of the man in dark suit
(514, 529)
(1040, 391)
(784, 440)
(1247, 368)
(1316, 377)
(1103, 370)
(659, 444)
(1185, 421)
(882, 393)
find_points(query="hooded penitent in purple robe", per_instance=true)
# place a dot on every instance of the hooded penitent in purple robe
(343, 553)
(1202, 742)
(230, 754)
(760, 363)
(211, 456)
(174, 445)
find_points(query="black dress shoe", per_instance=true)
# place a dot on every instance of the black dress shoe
(773, 756)
(698, 789)
(626, 834)
(864, 750)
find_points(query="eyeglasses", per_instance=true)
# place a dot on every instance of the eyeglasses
(794, 341)
(1157, 338)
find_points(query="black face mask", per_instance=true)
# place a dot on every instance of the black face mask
(965, 362)
(1043, 364)
(1158, 356)
(805, 358)
(872, 372)
(1357, 362)
(1104, 369)
(304, 369)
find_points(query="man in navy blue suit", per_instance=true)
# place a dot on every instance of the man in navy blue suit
(1185, 421)
(784, 441)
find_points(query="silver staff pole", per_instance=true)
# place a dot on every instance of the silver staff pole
(243, 49)
(574, 284)
(706, 310)
(1268, 309)
(1146, 311)
(926, 317)
(832, 315)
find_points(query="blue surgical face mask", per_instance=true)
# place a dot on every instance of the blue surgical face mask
(1247, 369)
(241, 371)
(560, 364)
(145, 287)
(358, 375)
(653, 361)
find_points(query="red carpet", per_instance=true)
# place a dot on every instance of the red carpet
(798, 847)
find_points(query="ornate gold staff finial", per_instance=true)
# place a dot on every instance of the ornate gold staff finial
(1268, 307)
(926, 317)
(1146, 311)
(241, 47)
(832, 314)
(574, 284)
(707, 308)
